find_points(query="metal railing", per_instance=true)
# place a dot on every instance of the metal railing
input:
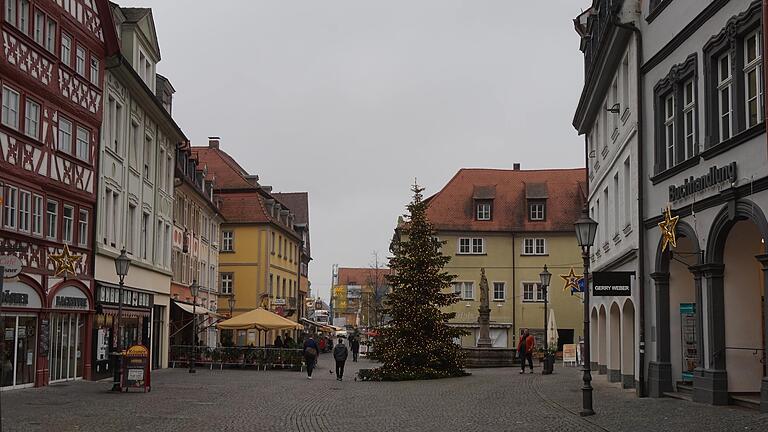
(258, 358)
(758, 353)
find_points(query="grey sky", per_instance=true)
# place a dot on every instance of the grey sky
(351, 99)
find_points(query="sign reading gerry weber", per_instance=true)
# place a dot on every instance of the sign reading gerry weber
(612, 283)
(693, 185)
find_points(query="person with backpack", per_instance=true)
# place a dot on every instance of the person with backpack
(340, 354)
(525, 349)
(311, 351)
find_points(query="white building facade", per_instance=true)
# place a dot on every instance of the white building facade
(607, 115)
(705, 151)
(135, 196)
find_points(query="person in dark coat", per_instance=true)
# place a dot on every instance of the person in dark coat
(278, 342)
(288, 341)
(354, 343)
(311, 351)
(340, 354)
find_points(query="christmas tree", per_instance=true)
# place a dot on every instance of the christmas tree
(417, 343)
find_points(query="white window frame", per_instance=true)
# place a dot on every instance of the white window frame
(753, 66)
(478, 246)
(94, 70)
(25, 203)
(11, 207)
(82, 227)
(38, 32)
(83, 145)
(228, 241)
(689, 113)
(536, 211)
(51, 219)
(32, 119)
(464, 246)
(37, 215)
(10, 110)
(465, 289)
(65, 53)
(67, 224)
(532, 292)
(50, 35)
(80, 55)
(503, 291)
(484, 211)
(65, 135)
(227, 282)
(725, 83)
(669, 129)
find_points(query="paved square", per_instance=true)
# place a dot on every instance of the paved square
(249, 400)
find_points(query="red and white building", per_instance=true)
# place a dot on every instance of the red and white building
(52, 79)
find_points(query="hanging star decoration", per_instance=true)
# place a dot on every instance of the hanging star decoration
(65, 262)
(571, 280)
(668, 236)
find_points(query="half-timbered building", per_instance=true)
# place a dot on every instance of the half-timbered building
(52, 77)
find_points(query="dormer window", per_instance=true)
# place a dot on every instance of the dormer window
(536, 196)
(537, 210)
(483, 210)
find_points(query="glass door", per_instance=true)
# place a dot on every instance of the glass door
(17, 351)
(66, 347)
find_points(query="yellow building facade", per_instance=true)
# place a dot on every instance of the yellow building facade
(512, 223)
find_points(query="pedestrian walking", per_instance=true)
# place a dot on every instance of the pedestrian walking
(354, 343)
(311, 351)
(525, 350)
(340, 354)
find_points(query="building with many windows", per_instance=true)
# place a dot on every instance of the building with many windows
(52, 81)
(705, 152)
(511, 223)
(298, 202)
(195, 257)
(607, 115)
(260, 246)
(359, 295)
(135, 195)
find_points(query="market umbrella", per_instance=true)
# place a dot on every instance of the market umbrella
(552, 329)
(260, 319)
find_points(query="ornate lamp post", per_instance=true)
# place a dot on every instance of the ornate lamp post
(545, 276)
(193, 356)
(586, 229)
(122, 264)
(231, 301)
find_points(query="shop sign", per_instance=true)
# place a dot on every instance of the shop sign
(18, 294)
(612, 283)
(11, 265)
(694, 185)
(111, 295)
(278, 302)
(70, 298)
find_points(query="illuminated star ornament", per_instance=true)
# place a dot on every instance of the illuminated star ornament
(65, 262)
(571, 280)
(668, 237)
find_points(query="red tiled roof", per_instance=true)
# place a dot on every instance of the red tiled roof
(240, 207)
(228, 173)
(298, 203)
(361, 276)
(453, 207)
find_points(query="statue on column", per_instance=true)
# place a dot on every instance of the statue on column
(484, 341)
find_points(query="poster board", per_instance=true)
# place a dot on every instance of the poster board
(136, 368)
(569, 353)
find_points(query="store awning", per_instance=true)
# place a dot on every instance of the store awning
(324, 327)
(198, 310)
(260, 319)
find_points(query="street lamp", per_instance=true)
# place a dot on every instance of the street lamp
(545, 277)
(193, 289)
(122, 264)
(231, 302)
(586, 229)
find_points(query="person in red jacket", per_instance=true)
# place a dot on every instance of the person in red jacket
(525, 349)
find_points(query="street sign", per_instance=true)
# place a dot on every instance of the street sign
(612, 283)
(12, 265)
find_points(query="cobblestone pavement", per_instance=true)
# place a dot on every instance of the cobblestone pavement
(248, 400)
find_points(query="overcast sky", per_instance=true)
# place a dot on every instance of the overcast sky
(351, 99)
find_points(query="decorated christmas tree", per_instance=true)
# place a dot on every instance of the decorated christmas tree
(417, 343)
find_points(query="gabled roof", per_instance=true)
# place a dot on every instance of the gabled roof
(143, 18)
(453, 207)
(298, 203)
(361, 276)
(228, 173)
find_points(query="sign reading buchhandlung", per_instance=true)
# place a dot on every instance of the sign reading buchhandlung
(612, 283)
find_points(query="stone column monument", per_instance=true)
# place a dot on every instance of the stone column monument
(484, 341)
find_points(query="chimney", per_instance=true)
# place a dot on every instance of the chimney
(253, 179)
(213, 142)
(516, 166)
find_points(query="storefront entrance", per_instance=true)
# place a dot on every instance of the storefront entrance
(66, 355)
(17, 351)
